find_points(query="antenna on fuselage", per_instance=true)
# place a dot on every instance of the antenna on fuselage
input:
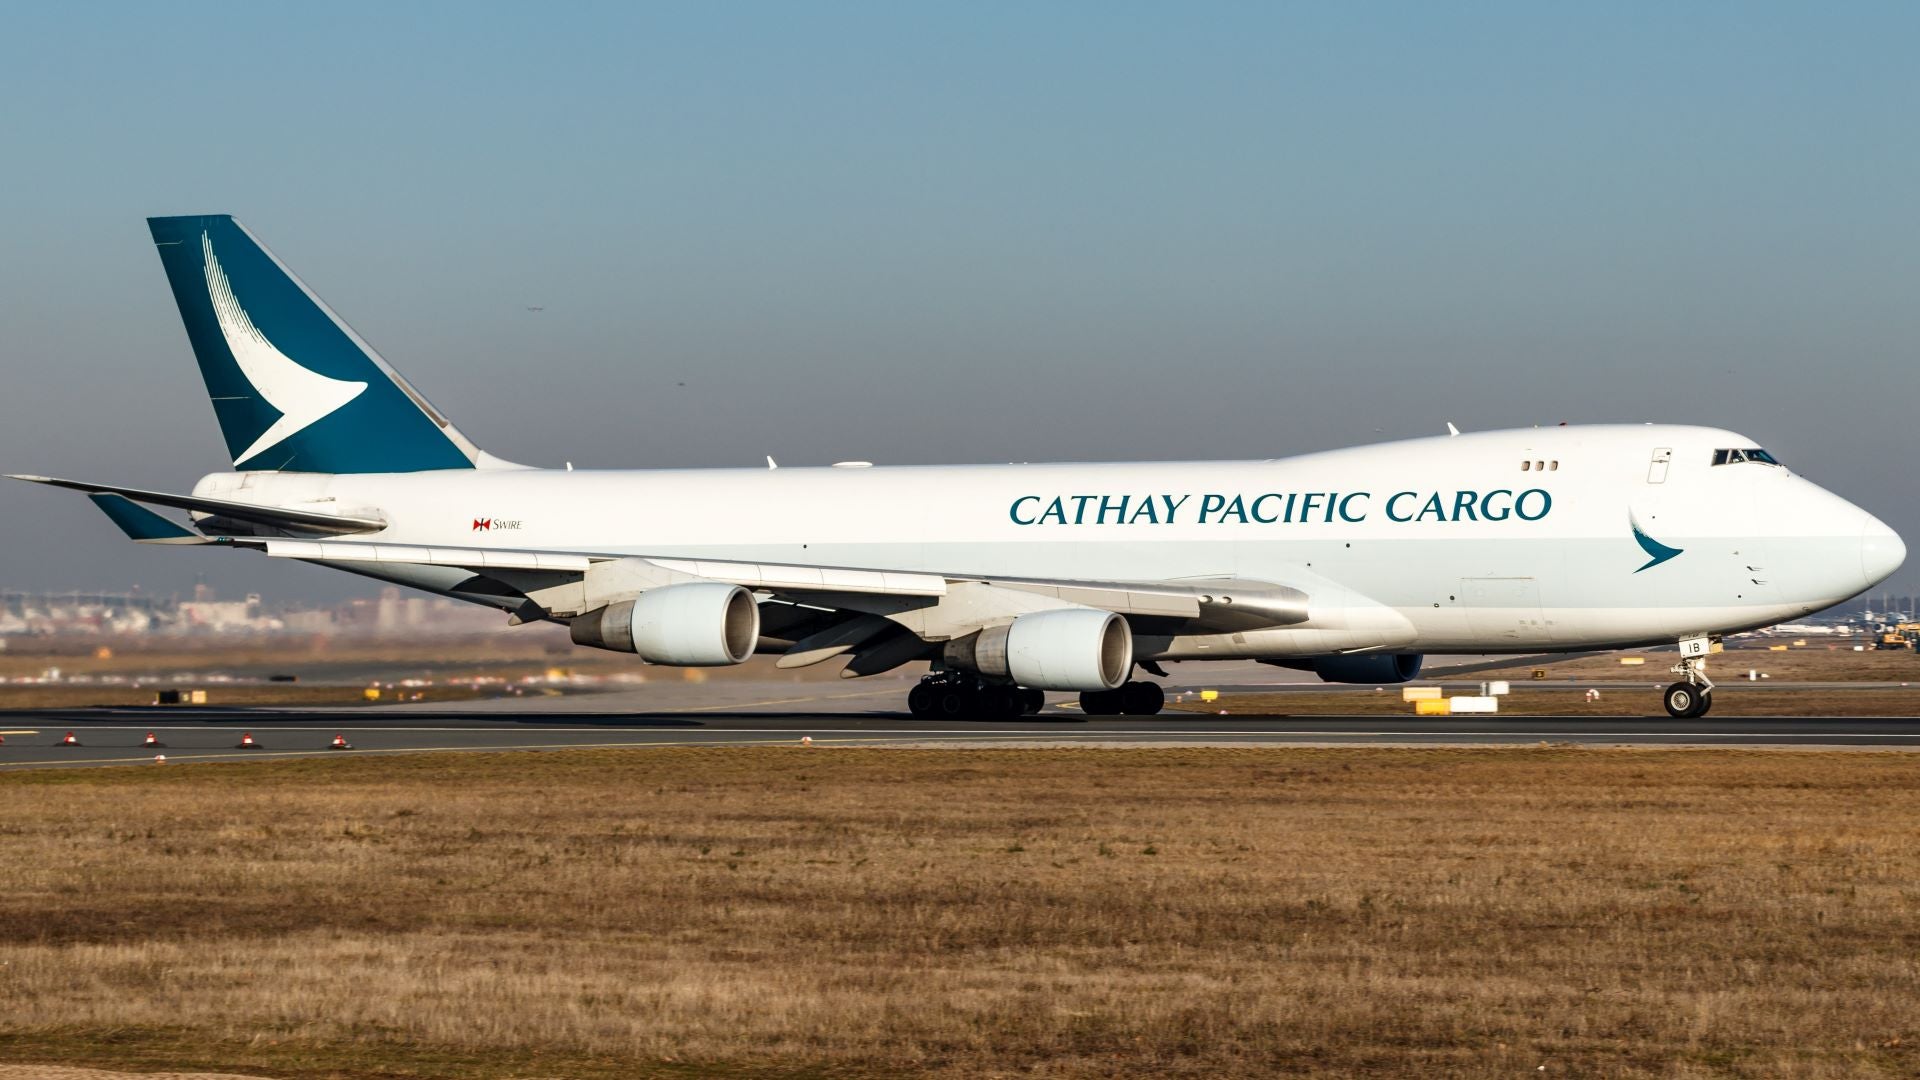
(1451, 430)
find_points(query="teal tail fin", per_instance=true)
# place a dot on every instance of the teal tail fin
(293, 386)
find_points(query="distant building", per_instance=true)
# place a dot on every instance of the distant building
(393, 614)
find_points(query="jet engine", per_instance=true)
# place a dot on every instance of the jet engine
(694, 624)
(1368, 668)
(1069, 649)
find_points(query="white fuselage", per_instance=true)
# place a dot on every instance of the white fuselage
(1483, 542)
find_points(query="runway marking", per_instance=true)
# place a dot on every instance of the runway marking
(918, 732)
(780, 701)
(898, 738)
(254, 755)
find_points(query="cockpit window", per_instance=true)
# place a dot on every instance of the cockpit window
(1736, 457)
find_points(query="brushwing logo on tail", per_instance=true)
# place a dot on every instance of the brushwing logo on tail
(302, 397)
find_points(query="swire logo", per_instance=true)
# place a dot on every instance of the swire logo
(494, 524)
(482, 523)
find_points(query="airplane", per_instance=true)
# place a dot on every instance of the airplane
(1008, 581)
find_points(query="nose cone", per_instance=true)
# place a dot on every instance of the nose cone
(1881, 551)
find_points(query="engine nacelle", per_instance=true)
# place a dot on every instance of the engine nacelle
(695, 624)
(1369, 668)
(1070, 649)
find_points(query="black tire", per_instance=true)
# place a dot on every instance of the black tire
(1100, 702)
(1684, 701)
(1704, 703)
(1001, 702)
(922, 700)
(1142, 699)
(953, 703)
(1032, 701)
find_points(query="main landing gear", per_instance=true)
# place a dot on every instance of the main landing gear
(957, 695)
(1693, 695)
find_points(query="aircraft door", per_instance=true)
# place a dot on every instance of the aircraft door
(1657, 468)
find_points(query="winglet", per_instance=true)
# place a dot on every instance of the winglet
(143, 525)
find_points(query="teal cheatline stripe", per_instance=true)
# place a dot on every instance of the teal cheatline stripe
(1660, 552)
(142, 524)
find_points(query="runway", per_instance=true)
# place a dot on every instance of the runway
(115, 736)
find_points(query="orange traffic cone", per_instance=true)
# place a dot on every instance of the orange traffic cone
(340, 743)
(152, 740)
(247, 743)
(69, 740)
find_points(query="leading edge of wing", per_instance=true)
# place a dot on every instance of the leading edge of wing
(1233, 603)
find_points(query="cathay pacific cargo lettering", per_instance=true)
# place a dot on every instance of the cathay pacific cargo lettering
(1008, 580)
(1279, 508)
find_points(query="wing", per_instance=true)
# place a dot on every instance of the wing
(814, 613)
(880, 618)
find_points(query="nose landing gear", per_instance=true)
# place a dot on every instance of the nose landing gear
(1693, 695)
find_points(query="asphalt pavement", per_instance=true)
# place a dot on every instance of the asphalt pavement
(118, 736)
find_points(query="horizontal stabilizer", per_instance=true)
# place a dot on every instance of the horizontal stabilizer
(273, 516)
(143, 525)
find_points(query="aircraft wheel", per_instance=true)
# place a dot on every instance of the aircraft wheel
(1032, 701)
(1685, 701)
(1100, 702)
(1002, 702)
(953, 703)
(1142, 698)
(922, 700)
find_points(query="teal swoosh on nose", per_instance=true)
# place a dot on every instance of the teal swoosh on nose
(1657, 551)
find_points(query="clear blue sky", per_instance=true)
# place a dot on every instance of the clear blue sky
(916, 233)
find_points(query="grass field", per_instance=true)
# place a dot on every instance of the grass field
(1061, 913)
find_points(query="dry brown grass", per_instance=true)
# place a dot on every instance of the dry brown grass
(1058, 913)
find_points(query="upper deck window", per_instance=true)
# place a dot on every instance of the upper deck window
(1736, 457)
